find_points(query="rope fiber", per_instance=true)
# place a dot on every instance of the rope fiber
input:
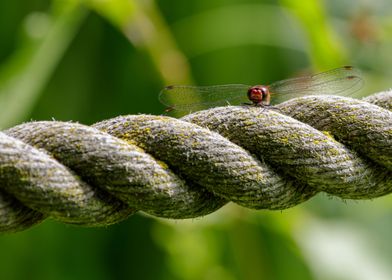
(259, 158)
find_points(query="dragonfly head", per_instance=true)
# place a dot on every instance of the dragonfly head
(256, 94)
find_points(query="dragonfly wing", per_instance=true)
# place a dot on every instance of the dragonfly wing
(194, 98)
(340, 81)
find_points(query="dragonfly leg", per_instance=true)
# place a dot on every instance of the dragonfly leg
(269, 106)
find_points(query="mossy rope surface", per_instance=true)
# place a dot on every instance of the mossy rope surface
(185, 168)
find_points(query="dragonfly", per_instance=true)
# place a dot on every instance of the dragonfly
(342, 81)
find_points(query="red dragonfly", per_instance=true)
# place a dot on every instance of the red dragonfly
(339, 81)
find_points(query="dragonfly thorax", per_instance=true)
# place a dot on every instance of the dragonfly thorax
(257, 94)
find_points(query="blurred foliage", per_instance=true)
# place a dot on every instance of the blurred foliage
(95, 59)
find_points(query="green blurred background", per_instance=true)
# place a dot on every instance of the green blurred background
(95, 59)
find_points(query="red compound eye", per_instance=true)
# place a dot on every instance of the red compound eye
(256, 94)
(256, 91)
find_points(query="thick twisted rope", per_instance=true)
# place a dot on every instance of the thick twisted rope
(258, 158)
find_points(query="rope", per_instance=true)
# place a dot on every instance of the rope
(185, 168)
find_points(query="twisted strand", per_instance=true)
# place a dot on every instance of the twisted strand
(190, 167)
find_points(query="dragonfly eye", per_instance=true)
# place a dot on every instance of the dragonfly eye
(256, 94)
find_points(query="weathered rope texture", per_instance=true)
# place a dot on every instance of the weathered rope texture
(259, 158)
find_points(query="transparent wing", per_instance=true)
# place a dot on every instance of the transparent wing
(194, 98)
(340, 81)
